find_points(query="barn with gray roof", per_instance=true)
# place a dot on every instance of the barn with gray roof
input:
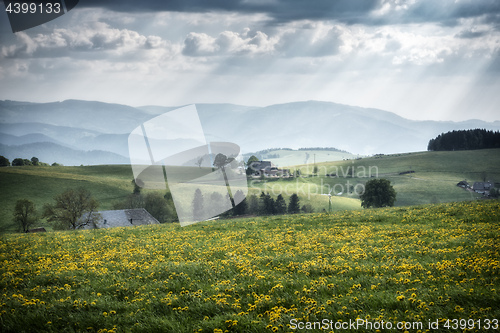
(122, 218)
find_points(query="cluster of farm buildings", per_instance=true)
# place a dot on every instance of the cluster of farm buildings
(483, 188)
(268, 169)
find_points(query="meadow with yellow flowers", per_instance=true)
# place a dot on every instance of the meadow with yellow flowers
(429, 263)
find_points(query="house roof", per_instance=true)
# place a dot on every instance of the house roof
(480, 186)
(123, 218)
(261, 165)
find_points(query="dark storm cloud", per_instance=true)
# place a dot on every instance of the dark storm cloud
(447, 12)
(474, 8)
(469, 34)
(168, 5)
(279, 10)
(347, 11)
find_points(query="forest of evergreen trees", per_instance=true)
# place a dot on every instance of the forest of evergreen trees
(264, 204)
(465, 140)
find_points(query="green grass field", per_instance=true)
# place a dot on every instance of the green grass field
(40, 184)
(294, 157)
(434, 180)
(403, 266)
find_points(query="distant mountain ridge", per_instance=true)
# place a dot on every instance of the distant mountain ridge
(87, 115)
(10, 140)
(50, 152)
(98, 131)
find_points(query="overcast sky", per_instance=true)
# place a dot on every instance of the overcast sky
(422, 59)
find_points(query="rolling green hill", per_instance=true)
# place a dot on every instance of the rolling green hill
(434, 179)
(284, 158)
(40, 184)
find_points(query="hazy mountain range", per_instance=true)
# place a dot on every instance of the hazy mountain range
(76, 132)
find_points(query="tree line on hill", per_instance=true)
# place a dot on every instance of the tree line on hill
(68, 207)
(465, 140)
(66, 212)
(264, 204)
(378, 193)
(34, 161)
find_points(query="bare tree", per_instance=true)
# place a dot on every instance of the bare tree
(199, 161)
(73, 209)
(25, 214)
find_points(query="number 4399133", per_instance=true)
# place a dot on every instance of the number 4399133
(485, 324)
(32, 8)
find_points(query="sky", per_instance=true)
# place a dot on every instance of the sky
(421, 59)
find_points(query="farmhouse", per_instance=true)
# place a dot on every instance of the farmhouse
(482, 187)
(122, 218)
(267, 168)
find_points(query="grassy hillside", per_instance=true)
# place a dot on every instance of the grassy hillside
(40, 184)
(434, 177)
(420, 264)
(434, 180)
(107, 183)
(284, 158)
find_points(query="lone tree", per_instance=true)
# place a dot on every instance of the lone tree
(315, 171)
(293, 204)
(137, 185)
(378, 193)
(240, 208)
(198, 204)
(199, 161)
(267, 204)
(280, 205)
(73, 209)
(220, 162)
(25, 214)
(251, 160)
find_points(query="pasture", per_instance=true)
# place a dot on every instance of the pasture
(422, 264)
(434, 179)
